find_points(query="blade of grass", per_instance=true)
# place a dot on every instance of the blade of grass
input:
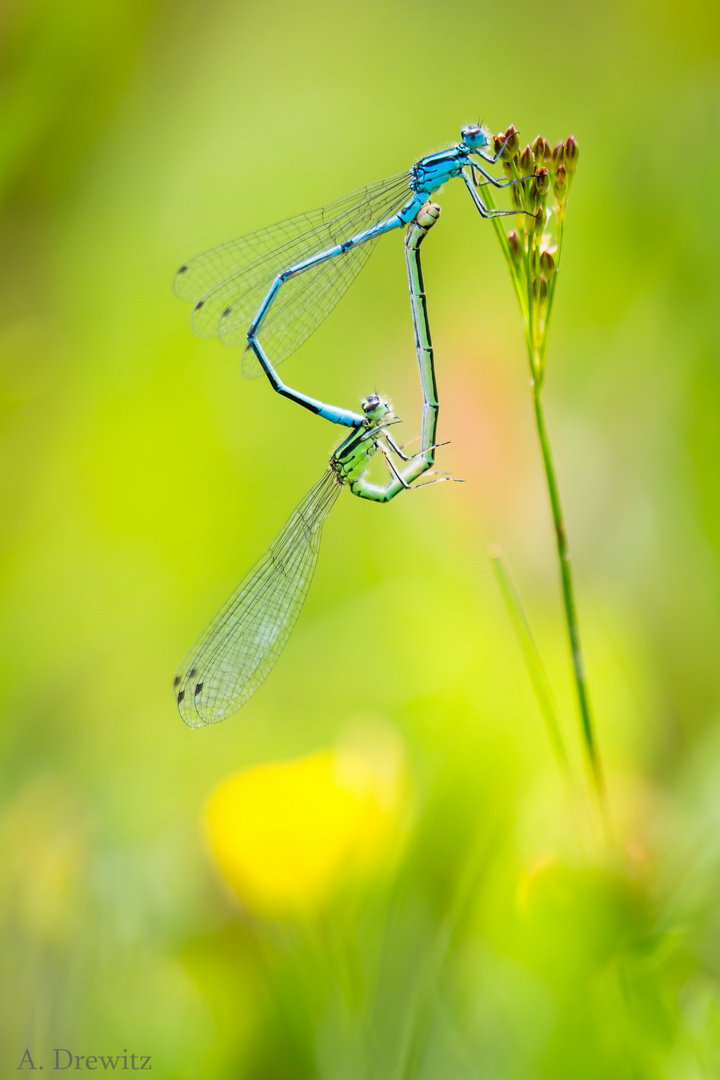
(536, 669)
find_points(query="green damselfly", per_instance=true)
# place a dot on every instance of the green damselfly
(238, 650)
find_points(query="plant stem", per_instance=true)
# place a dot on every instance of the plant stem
(568, 590)
(536, 321)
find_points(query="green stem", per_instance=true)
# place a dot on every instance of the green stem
(536, 338)
(568, 590)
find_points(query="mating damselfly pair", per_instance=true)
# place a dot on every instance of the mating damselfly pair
(281, 283)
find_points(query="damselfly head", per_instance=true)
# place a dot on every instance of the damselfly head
(374, 407)
(475, 136)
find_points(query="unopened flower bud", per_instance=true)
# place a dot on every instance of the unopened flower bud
(527, 161)
(571, 154)
(542, 150)
(547, 264)
(512, 143)
(543, 290)
(515, 248)
(558, 155)
(561, 182)
(542, 181)
(539, 187)
(498, 141)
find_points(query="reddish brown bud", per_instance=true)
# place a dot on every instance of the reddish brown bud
(539, 286)
(547, 264)
(558, 154)
(539, 186)
(542, 181)
(542, 150)
(512, 143)
(527, 161)
(515, 248)
(561, 182)
(572, 152)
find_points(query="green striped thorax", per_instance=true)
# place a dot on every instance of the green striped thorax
(353, 456)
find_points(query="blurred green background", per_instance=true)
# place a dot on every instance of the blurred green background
(142, 477)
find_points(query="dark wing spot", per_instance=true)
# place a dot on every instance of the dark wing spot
(226, 312)
(192, 673)
(199, 305)
(198, 688)
(177, 681)
(181, 695)
(182, 269)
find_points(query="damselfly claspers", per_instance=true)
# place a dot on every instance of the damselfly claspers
(239, 648)
(286, 279)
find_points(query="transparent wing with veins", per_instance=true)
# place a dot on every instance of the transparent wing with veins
(228, 284)
(241, 645)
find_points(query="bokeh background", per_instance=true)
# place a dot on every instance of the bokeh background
(399, 886)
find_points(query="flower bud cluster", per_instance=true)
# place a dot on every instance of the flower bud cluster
(547, 168)
(540, 176)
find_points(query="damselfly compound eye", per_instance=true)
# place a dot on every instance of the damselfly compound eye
(474, 136)
(371, 403)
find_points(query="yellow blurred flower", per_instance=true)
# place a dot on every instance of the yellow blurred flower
(288, 835)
